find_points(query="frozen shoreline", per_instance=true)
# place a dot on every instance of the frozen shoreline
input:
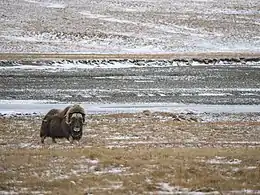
(76, 65)
(8, 107)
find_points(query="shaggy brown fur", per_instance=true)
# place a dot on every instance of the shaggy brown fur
(63, 123)
(44, 131)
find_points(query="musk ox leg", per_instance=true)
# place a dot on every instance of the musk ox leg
(43, 138)
(43, 131)
(53, 140)
(78, 142)
(70, 139)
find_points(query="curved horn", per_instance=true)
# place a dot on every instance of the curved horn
(68, 123)
(67, 120)
(83, 117)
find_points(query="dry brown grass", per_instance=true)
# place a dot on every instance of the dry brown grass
(144, 169)
(138, 164)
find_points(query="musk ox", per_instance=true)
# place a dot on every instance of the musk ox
(67, 123)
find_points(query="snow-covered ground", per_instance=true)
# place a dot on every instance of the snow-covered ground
(132, 26)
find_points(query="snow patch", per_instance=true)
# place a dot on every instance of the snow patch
(48, 4)
(245, 191)
(113, 186)
(106, 18)
(112, 170)
(123, 137)
(69, 65)
(24, 191)
(223, 160)
(166, 188)
(11, 192)
(26, 101)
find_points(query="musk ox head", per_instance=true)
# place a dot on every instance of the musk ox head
(76, 122)
(75, 117)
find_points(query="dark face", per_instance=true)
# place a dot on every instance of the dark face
(76, 122)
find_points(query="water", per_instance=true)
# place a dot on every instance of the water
(129, 86)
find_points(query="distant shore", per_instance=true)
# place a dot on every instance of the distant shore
(141, 56)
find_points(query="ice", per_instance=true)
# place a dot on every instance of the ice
(214, 94)
(42, 106)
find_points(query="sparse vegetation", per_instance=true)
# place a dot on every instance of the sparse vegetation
(131, 153)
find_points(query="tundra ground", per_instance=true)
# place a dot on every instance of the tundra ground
(141, 153)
